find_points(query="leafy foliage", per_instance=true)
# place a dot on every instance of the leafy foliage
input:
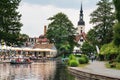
(22, 38)
(117, 26)
(87, 48)
(117, 7)
(74, 63)
(10, 25)
(112, 50)
(103, 19)
(117, 34)
(118, 58)
(62, 33)
(83, 59)
(92, 37)
(72, 57)
(109, 49)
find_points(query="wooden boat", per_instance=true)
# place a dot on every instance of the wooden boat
(20, 61)
(12, 62)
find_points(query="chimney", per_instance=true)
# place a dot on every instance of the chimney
(45, 30)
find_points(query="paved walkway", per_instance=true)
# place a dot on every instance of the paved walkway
(97, 67)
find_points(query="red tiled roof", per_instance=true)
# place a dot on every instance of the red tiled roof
(77, 38)
(43, 46)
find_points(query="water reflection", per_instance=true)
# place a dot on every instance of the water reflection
(62, 73)
(36, 71)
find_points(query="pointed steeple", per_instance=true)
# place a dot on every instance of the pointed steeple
(81, 22)
(81, 11)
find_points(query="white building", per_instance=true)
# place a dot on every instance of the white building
(80, 37)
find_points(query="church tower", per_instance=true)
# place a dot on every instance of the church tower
(81, 27)
(80, 37)
(81, 23)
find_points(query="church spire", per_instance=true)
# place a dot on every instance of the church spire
(81, 11)
(81, 22)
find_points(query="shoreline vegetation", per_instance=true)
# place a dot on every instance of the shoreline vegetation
(113, 65)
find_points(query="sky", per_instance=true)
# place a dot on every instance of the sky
(36, 12)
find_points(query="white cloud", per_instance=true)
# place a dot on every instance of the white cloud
(34, 17)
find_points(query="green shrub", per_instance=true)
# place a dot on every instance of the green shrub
(86, 58)
(118, 66)
(101, 57)
(118, 58)
(73, 63)
(112, 65)
(72, 57)
(82, 60)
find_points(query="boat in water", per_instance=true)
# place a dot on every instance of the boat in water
(20, 60)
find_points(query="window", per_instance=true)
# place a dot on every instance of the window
(81, 27)
(81, 40)
(81, 31)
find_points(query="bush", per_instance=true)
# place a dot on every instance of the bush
(86, 58)
(109, 51)
(101, 57)
(118, 66)
(118, 58)
(82, 60)
(73, 63)
(72, 57)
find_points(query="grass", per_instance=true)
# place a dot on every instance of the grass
(83, 65)
(117, 65)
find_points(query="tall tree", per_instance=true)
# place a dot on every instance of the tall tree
(103, 20)
(10, 25)
(61, 33)
(117, 25)
(92, 37)
(22, 38)
(117, 8)
(87, 48)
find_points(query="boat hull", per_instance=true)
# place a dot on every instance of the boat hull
(20, 62)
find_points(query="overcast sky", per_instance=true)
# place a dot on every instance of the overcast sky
(36, 12)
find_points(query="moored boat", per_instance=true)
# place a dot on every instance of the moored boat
(12, 62)
(20, 61)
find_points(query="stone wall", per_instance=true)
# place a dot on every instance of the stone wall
(89, 76)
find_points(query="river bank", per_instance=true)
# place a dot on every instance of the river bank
(96, 70)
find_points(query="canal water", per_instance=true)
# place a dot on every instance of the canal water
(36, 71)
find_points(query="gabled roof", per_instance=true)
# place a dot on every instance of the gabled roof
(77, 38)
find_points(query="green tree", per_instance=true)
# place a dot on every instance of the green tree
(22, 38)
(117, 34)
(103, 19)
(117, 25)
(87, 48)
(117, 8)
(62, 33)
(92, 37)
(10, 25)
